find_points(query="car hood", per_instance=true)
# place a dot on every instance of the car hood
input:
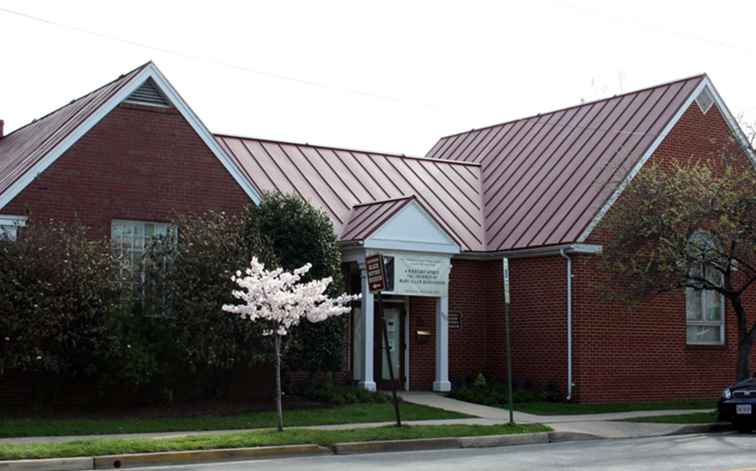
(749, 383)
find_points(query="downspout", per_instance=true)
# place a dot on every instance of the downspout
(563, 252)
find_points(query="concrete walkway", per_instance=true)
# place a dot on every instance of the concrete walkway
(601, 425)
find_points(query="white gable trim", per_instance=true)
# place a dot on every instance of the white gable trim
(732, 123)
(150, 71)
(433, 239)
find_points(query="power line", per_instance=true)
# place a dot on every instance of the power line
(218, 62)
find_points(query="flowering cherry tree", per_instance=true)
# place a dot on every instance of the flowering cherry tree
(279, 298)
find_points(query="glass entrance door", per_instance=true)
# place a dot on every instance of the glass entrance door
(393, 313)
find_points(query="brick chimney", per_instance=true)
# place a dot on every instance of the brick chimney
(2, 123)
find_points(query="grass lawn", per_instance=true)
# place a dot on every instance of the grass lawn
(104, 446)
(353, 413)
(563, 408)
(697, 418)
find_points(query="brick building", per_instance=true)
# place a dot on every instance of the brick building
(128, 156)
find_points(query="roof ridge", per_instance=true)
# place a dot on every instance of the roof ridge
(346, 149)
(591, 102)
(387, 200)
(36, 120)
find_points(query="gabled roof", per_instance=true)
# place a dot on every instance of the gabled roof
(547, 178)
(29, 150)
(336, 179)
(367, 218)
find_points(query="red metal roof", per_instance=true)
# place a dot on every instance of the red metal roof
(336, 180)
(545, 177)
(367, 218)
(27, 145)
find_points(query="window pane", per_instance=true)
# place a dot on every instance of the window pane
(704, 334)
(694, 303)
(713, 306)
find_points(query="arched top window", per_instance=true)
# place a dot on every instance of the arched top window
(704, 307)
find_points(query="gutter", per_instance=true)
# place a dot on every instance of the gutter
(563, 253)
(587, 249)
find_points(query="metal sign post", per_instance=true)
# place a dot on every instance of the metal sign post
(377, 283)
(508, 328)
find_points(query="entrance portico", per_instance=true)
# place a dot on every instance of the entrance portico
(417, 252)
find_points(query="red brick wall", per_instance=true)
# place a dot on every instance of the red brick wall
(539, 338)
(137, 163)
(640, 352)
(475, 292)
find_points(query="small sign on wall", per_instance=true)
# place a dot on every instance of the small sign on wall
(455, 320)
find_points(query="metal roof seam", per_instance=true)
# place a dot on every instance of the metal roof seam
(311, 185)
(595, 135)
(521, 182)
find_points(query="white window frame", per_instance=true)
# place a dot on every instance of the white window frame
(9, 226)
(706, 299)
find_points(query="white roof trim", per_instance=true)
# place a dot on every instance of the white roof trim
(7, 220)
(149, 71)
(729, 118)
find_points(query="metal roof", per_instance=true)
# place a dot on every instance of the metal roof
(27, 145)
(544, 178)
(367, 218)
(336, 180)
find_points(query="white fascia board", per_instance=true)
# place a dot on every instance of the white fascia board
(150, 71)
(411, 246)
(732, 123)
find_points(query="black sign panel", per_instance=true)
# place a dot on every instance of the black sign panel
(375, 273)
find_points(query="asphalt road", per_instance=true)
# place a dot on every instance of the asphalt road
(688, 452)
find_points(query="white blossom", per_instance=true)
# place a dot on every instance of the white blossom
(278, 296)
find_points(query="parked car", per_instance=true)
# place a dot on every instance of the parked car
(738, 405)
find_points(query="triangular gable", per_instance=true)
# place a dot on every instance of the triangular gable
(55, 135)
(412, 228)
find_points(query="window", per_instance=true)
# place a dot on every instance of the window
(130, 239)
(705, 100)
(10, 227)
(704, 307)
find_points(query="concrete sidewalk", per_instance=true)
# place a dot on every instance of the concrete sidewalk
(600, 425)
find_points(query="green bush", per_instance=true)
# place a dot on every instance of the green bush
(339, 395)
(58, 290)
(491, 393)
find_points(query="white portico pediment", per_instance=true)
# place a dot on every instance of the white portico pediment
(400, 224)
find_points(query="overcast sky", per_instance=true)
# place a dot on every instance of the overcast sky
(389, 76)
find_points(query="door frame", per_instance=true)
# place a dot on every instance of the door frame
(403, 380)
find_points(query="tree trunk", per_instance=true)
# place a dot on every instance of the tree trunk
(745, 340)
(279, 405)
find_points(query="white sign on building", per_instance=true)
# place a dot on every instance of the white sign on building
(421, 275)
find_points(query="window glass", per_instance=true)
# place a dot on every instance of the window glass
(704, 307)
(130, 239)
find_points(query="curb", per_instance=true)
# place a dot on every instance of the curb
(52, 464)
(294, 451)
(702, 428)
(164, 458)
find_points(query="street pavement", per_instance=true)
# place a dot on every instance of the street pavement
(728, 451)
